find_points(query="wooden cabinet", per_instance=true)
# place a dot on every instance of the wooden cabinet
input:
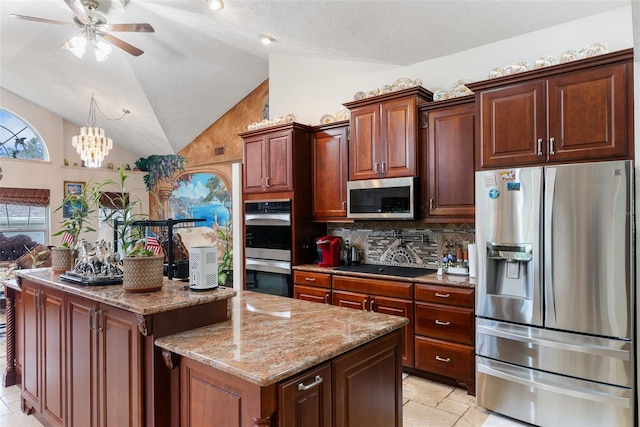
(274, 156)
(384, 134)
(445, 332)
(305, 400)
(43, 338)
(104, 364)
(382, 296)
(329, 169)
(578, 111)
(311, 286)
(448, 129)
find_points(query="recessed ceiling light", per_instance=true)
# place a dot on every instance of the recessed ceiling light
(266, 40)
(215, 4)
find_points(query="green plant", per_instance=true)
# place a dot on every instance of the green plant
(80, 207)
(35, 256)
(225, 267)
(159, 167)
(124, 211)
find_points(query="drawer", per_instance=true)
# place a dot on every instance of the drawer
(309, 278)
(386, 288)
(445, 322)
(312, 293)
(446, 359)
(462, 297)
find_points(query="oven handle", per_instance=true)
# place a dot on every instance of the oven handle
(269, 266)
(267, 219)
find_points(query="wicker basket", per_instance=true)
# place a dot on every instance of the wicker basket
(142, 274)
(61, 260)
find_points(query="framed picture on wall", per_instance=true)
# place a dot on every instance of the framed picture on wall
(71, 187)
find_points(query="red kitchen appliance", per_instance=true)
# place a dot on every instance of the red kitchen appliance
(330, 247)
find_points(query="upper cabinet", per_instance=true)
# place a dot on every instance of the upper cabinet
(448, 130)
(274, 157)
(384, 134)
(578, 111)
(329, 169)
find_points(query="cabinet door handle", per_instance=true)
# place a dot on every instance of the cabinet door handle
(268, 181)
(309, 279)
(371, 305)
(539, 146)
(262, 182)
(383, 168)
(442, 359)
(99, 320)
(439, 295)
(92, 312)
(441, 323)
(318, 379)
(375, 167)
(431, 203)
(35, 298)
(344, 205)
(364, 306)
(552, 143)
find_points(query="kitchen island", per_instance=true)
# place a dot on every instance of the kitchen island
(85, 355)
(281, 361)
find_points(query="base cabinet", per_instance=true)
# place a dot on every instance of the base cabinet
(103, 354)
(43, 354)
(362, 387)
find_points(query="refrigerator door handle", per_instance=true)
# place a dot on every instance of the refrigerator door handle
(589, 349)
(549, 295)
(617, 401)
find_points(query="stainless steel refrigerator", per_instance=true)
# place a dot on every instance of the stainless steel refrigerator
(554, 295)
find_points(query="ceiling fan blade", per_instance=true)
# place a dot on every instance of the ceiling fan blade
(121, 44)
(140, 28)
(46, 21)
(79, 11)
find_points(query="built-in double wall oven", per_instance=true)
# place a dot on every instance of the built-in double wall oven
(268, 247)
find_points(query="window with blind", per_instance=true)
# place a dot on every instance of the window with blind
(25, 211)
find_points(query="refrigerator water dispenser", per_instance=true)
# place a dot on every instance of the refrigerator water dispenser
(509, 269)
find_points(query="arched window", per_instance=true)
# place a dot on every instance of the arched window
(19, 140)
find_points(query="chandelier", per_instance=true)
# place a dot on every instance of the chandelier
(91, 144)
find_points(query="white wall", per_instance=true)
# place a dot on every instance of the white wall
(310, 88)
(57, 133)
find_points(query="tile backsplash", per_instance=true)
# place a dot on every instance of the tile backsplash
(412, 244)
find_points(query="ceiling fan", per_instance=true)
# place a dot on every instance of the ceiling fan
(94, 25)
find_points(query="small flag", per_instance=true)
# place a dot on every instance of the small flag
(67, 238)
(153, 245)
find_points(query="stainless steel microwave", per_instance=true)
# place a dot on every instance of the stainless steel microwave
(389, 198)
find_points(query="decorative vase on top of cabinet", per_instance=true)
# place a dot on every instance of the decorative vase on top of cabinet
(447, 131)
(577, 111)
(384, 134)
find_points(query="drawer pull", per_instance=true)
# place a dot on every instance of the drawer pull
(326, 298)
(441, 323)
(309, 279)
(442, 359)
(364, 306)
(316, 381)
(439, 295)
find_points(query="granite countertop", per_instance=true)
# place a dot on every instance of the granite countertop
(270, 338)
(430, 279)
(172, 296)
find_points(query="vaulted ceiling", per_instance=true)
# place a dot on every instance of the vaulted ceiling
(199, 63)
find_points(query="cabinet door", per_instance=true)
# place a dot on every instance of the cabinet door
(402, 308)
(313, 294)
(53, 355)
(450, 163)
(513, 125)
(371, 373)
(305, 400)
(398, 140)
(329, 170)
(18, 334)
(32, 343)
(588, 114)
(82, 363)
(254, 170)
(350, 300)
(364, 147)
(119, 358)
(279, 161)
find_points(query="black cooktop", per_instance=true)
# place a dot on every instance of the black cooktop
(389, 270)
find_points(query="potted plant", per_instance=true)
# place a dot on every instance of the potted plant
(159, 168)
(142, 268)
(225, 267)
(80, 207)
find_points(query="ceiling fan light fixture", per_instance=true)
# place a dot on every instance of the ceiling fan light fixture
(215, 4)
(92, 145)
(102, 50)
(266, 40)
(76, 45)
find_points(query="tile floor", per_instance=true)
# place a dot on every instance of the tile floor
(426, 404)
